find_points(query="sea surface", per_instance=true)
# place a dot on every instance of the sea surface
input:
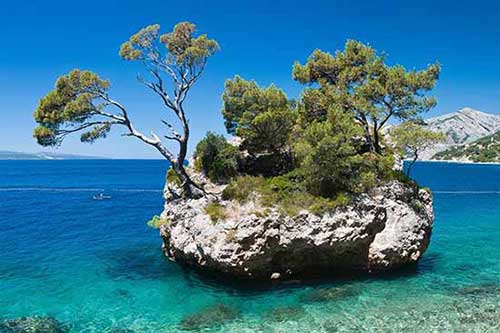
(97, 267)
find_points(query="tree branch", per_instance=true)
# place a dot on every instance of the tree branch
(64, 132)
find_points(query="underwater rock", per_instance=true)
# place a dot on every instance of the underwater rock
(483, 289)
(284, 313)
(119, 330)
(34, 324)
(384, 230)
(341, 326)
(210, 316)
(329, 294)
(122, 293)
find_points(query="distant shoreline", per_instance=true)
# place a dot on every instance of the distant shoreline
(160, 159)
(455, 162)
(58, 159)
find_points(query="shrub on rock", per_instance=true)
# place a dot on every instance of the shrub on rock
(216, 158)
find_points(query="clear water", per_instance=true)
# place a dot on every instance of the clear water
(96, 265)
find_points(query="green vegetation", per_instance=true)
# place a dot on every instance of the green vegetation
(312, 152)
(334, 159)
(333, 136)
(262, 117)
(172, 177)
(81, 101)
(358, 82)
(156, 222)
(486, 149)
(286, 192)
(412, 138)
(216, 158)
(216, 212)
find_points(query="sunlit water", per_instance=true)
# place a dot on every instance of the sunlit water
(96, 266)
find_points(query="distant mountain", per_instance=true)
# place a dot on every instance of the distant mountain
(462, 127)
(13, 155)
(465, 126)
(486, 149)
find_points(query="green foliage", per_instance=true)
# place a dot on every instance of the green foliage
(333, 136)
(73, 101)
(328, 153)
(81, 103)
(400, 177)
(184, 49)
(173, 177)
(240, 188)
(216, 158)
(412, 138)
(287, 193)
(486, 149)
(357, 80)
(215, 211)
(156, 222)
(98, 132)
(261, 116)
(314, 106)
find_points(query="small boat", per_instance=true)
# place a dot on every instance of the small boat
(101, 196)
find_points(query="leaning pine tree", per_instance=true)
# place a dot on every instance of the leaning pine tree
(81, 102)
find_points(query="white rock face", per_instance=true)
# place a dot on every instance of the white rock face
(464, 126)
(385, 230)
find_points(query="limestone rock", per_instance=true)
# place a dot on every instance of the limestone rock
(384, 230)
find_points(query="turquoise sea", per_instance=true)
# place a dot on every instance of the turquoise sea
(97, 267)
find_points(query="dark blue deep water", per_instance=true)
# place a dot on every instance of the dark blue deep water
(96, 266)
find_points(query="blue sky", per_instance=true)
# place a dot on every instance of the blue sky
(259, 40)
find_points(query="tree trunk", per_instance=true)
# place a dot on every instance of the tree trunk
(369, 139)
(415, 158)
(376, 138)
(189, 188)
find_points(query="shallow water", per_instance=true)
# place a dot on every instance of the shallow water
(96, 265)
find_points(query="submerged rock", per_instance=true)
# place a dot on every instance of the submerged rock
(329, 294)
(210, 316)
(34, 324)
(384, 230)
(119, 330)
(484, 289)
(284, 313)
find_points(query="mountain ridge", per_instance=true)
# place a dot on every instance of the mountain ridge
(463, 127)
